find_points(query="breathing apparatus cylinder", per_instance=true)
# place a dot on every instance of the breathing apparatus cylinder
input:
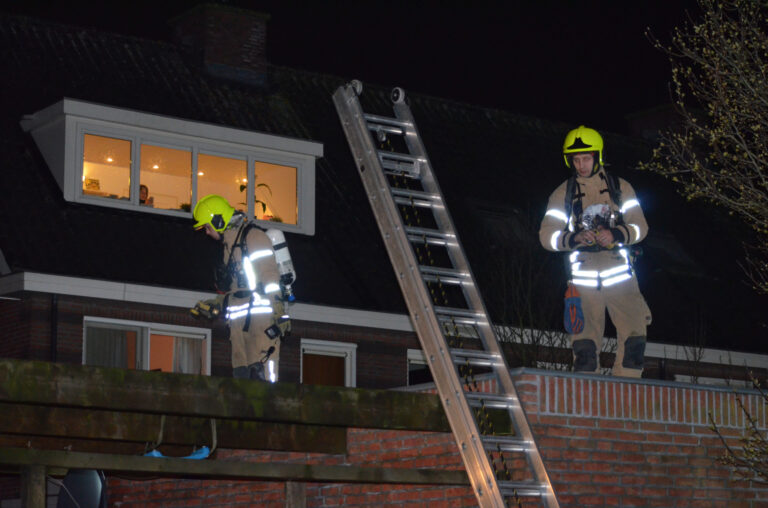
(284, 263)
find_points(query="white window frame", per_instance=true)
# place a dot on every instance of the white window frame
(346, 350)
(146, 329)
(59, 132)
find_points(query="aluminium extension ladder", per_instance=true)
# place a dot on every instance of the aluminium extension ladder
(434, 274)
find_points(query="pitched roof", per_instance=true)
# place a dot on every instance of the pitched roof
(489, 163)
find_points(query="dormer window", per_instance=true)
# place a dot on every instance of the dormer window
(125, 159)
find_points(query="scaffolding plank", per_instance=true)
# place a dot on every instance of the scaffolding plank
(59, 384)
(116, 426)
(229, 469)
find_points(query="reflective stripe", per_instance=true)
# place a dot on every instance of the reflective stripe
(553, 240)
(272, 287)
(637, 230)
(573, 256)
(250, 274)
(586, 273)
(629, 204)
(557, 214)
(257, 301)
(262, 253)
(614, 271)
(617, 279)
(272, 374)
(254, 310)
(604, 278)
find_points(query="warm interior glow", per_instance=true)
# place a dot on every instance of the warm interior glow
(280, 196)
(167, 172)
(106, 180)
(221, 176)
(161, 352)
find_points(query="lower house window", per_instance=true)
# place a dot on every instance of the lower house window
(146, 346)
(418, 370)
(328, 363)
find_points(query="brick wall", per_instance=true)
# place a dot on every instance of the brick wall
(606, 442)
(25, 329)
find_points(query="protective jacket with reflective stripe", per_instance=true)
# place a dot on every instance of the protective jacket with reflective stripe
(558, 230)
(257, 273)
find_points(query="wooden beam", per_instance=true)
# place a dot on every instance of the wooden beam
(104, 425)
(230, 469)
(33, 486)
(88, 387)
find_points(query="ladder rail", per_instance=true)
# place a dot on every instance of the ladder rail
(425, 316)
(487, 334)
(416, 297)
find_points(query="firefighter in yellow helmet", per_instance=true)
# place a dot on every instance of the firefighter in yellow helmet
(593, 217)
(250, 282)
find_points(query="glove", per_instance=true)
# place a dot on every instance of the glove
(207, 309)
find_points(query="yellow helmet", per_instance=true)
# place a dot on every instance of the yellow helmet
(213, 210)
(583, 139)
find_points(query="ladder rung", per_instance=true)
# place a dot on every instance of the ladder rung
(476, 357)
(444, 241)
(444, 275)
(384, 120)
(458, 320)
(522, 489)
(416, 202)
(434, 234)
(417, 198)
(376, 127)
(461, 313)
(477, 399)
(505, 443)
(403, 157)
(426, 196)
(399, 169)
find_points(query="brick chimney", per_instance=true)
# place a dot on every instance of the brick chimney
(230, 43)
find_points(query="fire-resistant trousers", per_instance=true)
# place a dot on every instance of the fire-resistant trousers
(251, 347)
(630, 315)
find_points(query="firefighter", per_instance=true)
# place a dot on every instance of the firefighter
(249, 281)
(593, 217)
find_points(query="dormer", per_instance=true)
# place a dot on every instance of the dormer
(119, 158)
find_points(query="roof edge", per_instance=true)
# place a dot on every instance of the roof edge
(173, 297)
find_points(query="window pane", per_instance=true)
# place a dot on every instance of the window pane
(322, 370)
(418, 373)
(223, 176)
(106, 167)
(108, 347)
(188, 356)
(276, 193)
(168, 353)
(166, 178)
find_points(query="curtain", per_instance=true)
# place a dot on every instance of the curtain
(105, 347)
(188, 355)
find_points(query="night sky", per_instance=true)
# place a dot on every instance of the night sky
(580, 62)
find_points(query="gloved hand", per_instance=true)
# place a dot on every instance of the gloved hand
(207, 309)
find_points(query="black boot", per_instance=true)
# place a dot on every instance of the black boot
(257, 371)
(241, 372)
